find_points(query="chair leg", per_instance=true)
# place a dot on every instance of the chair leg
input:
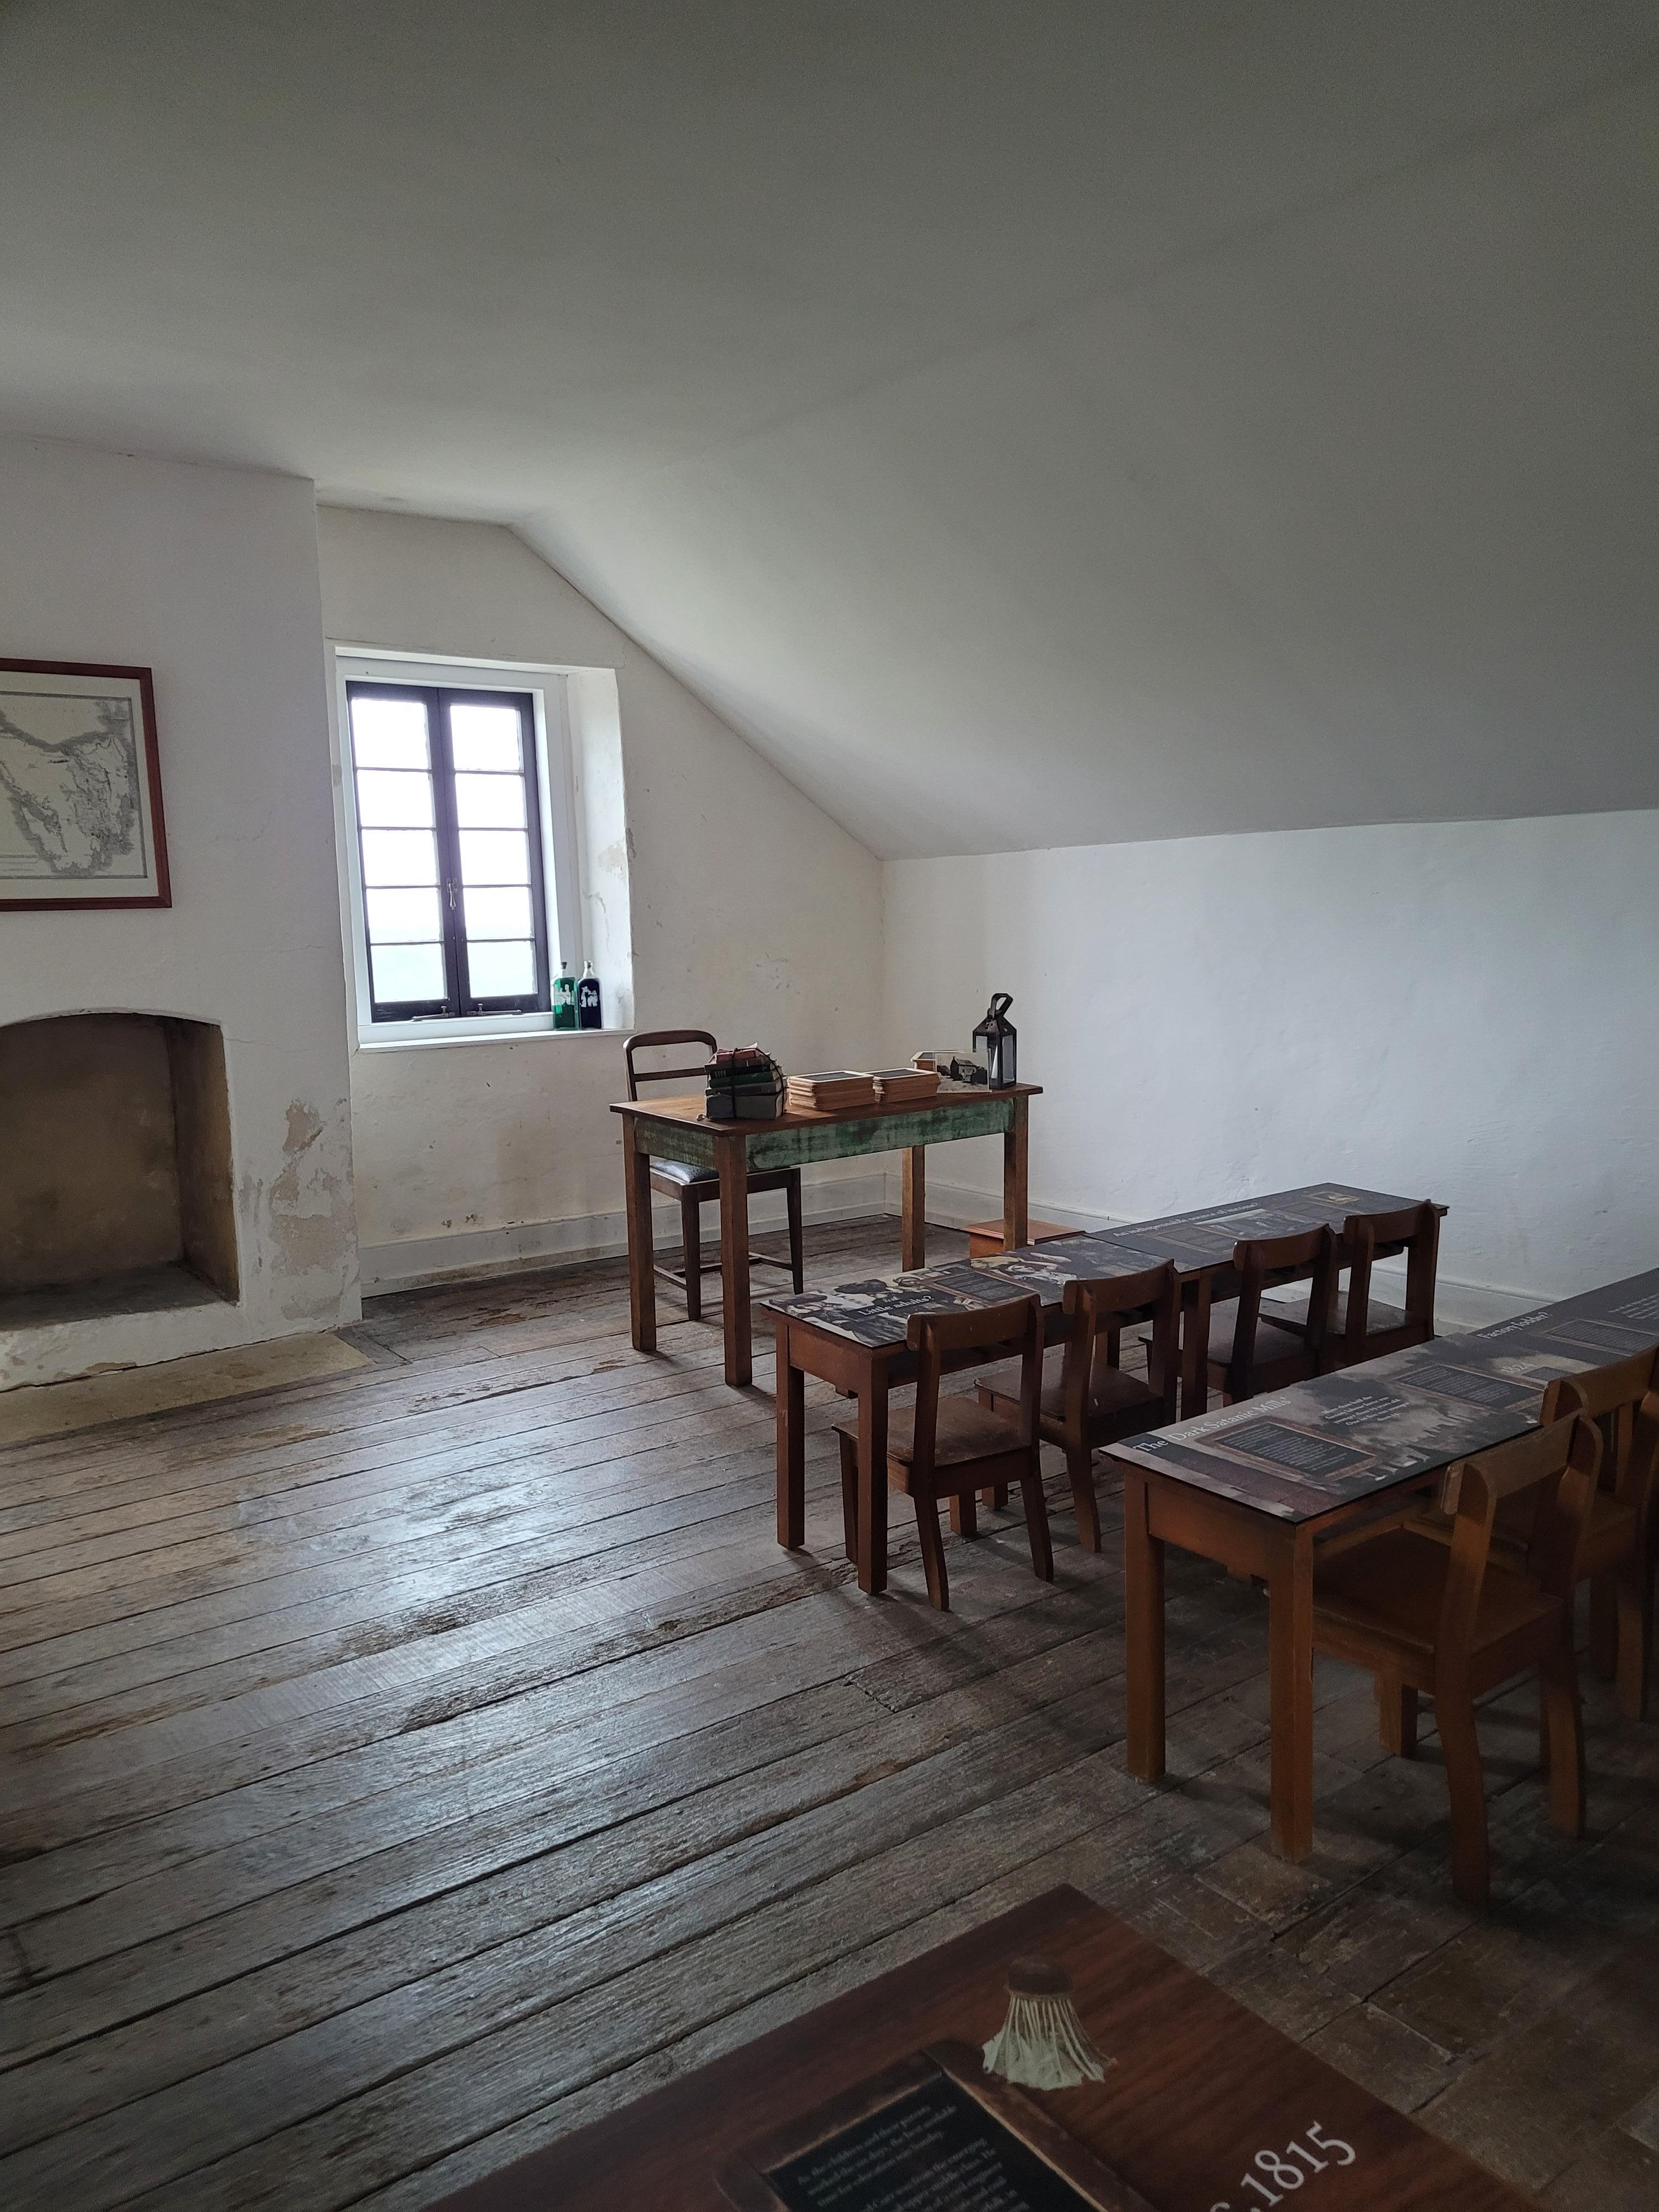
(1036, 1525)
(933, 1553)
(964, 1515)
(1396, 1717)
(691, 1254)
(1454, 1714)
(797, 1259)
(1080, 1466)
(1559, 1700)
(849, 1494)
(1635, 1636)
(995, 1499)
(1604, 1611)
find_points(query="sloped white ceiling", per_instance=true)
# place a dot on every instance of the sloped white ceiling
(1028, 423)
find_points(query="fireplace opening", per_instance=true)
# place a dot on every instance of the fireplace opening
(115, 1168)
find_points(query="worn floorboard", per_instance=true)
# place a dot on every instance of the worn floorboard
(399, 1769)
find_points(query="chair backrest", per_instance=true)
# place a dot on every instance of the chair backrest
(1263, 1263)
(1153, 1295)
(1560, 1463)
(1622, 1399)
(997, 1332)
(643, 1039)
(1413, 1229)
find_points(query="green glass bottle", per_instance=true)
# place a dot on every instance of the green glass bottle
(564, 998)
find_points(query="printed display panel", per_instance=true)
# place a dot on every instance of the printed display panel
(876, 1311)
(1301, 1451)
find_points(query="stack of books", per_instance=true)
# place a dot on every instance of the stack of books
(894, 1085)
(745, 1084)
(833, 1093)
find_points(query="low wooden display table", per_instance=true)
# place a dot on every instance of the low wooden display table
(678, 1129)
(985, 1238)
(853, 1336)
(1258, 1486)
(1207, 2108)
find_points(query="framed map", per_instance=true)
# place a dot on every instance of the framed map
(79, 788)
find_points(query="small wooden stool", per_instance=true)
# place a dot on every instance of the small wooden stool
(985, 1238)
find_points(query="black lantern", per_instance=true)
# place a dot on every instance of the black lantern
(995, 1041)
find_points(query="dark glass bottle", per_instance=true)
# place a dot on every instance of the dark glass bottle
(590, 1014)
(564, 998)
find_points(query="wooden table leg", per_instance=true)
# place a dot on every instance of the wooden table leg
(913, 1232)
(872, 1479)
(792, 1446)
(1143, 1632)
(1289, 1644)
(1015, 1144)
(1195, 1351)
(642, 1248)
(732, 1157)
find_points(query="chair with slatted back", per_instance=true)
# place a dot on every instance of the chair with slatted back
(1422, 1616)
(694, 1187)
(1091, 1402)
(1250, 1353)
(1617, 1560)
(1361, 1327)
(953, 1447)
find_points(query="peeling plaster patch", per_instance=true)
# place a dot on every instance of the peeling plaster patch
(310, 1204)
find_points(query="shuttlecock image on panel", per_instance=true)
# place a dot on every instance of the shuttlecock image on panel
(1043, 2044)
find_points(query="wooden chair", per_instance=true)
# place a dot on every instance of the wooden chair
(1426, 1616)
(1617, 1557)
(1091, 1402)
(1361, 1327)
(695, 1188)
(1250, 1353)
(953, 1447)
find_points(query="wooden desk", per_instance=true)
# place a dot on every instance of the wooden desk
(678, 1129)
(1198, 2088)
(1257, 1486)
(853, 1336)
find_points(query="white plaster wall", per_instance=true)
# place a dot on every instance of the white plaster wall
(1461, 1011)
(753, 914)
(208, 576)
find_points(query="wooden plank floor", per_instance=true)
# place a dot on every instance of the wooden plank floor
(401, 1770)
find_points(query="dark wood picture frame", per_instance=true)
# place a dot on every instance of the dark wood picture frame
(141, 679)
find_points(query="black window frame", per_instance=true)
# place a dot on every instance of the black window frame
(459, 1003)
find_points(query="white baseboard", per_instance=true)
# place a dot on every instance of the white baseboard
(1457, 1305)
(481, 1252)
(476, 1251)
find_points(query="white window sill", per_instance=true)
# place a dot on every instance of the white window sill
(413, 1038)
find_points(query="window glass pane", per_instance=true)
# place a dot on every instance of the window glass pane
(406, 917)
(490, 802)
(405, 856)
(497, 914)
(407, 971)
(488, 856)
(502, 971)
(389, 733)
(389, 800)
(485, 738)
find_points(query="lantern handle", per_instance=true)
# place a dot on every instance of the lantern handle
(1000, 1002)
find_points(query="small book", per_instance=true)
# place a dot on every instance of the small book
(831, 1091)
(895, 1085)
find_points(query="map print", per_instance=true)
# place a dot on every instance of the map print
(70, 771)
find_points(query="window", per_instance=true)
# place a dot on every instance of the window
(448, 824)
